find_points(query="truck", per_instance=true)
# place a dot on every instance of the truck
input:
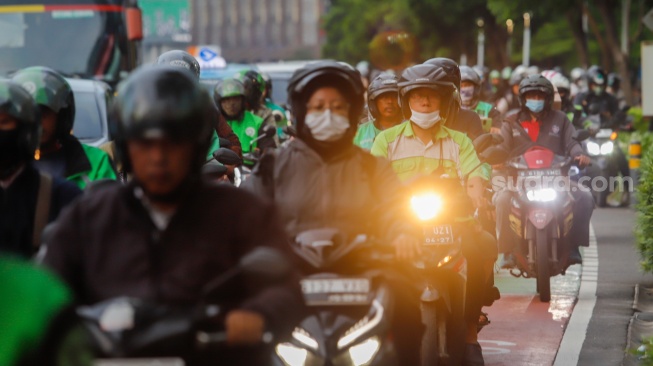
(88, 39)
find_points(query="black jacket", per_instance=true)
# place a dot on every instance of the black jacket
(18, 206)
(556, 134)
(468, 122)
(106, 246)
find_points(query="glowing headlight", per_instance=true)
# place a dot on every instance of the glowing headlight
(426, 206)
(542, 195)
(364, 352)
(607, 147)
(292, 355)
(304, 338)
(593, 148)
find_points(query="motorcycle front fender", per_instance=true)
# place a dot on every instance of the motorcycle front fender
(540, 218)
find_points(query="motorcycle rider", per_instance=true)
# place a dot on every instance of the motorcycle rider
(384, 108)
(254, 97)
(614, 89)
(510, 100)
(229, 96)
(465, 121)
(163, 223)
(424, 145)
(28, 199)
(60, 153)
(470, 92)
(596, 94)
(278, 112)
(574, 112)
(537, 124)
(342, 186)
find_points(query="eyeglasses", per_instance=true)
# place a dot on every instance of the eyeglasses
(337, 107)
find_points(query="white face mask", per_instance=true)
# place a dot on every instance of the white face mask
(425, 120)
(325, 126)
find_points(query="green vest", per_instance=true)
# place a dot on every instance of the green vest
(101, 167)
(365, 135)
(483, 110)
(215, 144)
(247, 130)
(29, 299)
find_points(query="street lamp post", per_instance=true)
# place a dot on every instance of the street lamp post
(527, 40)
(509, 27)
(481, 43)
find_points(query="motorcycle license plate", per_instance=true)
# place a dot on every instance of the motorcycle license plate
(540, 172)
(336, 291)
(438, 234)
(140, 362)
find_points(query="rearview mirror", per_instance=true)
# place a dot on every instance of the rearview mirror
(494, 155)
(581, 135)
(227, 157)
(224, 142)
(134, 21)
(213, 169)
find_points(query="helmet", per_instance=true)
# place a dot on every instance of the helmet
(384, 83)
(180, 59)
(495, 74)
(577, 73)
(50, 89)
(517, 76)
(268, 84)
(536, 83)
(532, 70)
(19, 104)
(166, 100)
(305, 80)
(450, 67)
(254, 86)
(432, 77)
(226, 89)
(557, 79)
(468, 74)
(596, 75)
(614, 80)
(480, 70)
(506, 73)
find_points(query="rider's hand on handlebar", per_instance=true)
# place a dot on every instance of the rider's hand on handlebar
(582, 160)
(407, 247)
(244, 327)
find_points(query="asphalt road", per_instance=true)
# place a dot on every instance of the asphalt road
(525, 331)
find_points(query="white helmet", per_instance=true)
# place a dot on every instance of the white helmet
(577, 73)
(557, 79)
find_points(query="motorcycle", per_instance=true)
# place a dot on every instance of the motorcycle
(541, 215)
(138, 332)
(350, 305)
(603, 149)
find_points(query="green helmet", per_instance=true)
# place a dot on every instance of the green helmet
(495, 74)
(226, 89)
(50, 89)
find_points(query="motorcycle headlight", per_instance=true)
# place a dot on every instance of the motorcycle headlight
(364, 352)
(541, 195)
(426, 206)
(607, 148)
(363, 326)
(291, 355)
(593, 148)
(304, 338)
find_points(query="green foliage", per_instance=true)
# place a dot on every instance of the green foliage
(644, 353)
(644, 227)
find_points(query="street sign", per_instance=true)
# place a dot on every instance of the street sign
(207, 55)
(647, 78)
(648, 20)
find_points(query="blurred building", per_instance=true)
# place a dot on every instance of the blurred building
(260, 30)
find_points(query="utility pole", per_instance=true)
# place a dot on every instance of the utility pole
(480, 57)
(526, 53)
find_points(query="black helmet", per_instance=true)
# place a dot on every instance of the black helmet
(50, 89)
(614, 80)
(470, 75)
(450, 67)
(268, 84)
(384, 83)
(325, 73)
(180, 59)
(536, 83)
(254, 86)
(163, 100)
(19, 104)
(596, 75)
(432, 77)
(226, 89)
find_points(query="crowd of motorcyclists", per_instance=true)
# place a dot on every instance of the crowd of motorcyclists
(137, 218)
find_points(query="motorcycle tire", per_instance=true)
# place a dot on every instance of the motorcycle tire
(430, 340)
(542, 260)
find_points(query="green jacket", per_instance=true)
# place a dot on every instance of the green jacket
(98, 167)
(452, 152)
(489, 115)
(30, 299)
(215, 144)
(365, 135)
(247, 130)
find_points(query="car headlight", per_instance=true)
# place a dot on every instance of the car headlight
(593, 148)
(426, 206)
(607, 148)
(291, 355)
(542, 195)
(364, 352)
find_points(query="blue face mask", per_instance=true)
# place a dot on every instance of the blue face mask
(534, 105)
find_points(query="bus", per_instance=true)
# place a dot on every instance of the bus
(90, 39)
